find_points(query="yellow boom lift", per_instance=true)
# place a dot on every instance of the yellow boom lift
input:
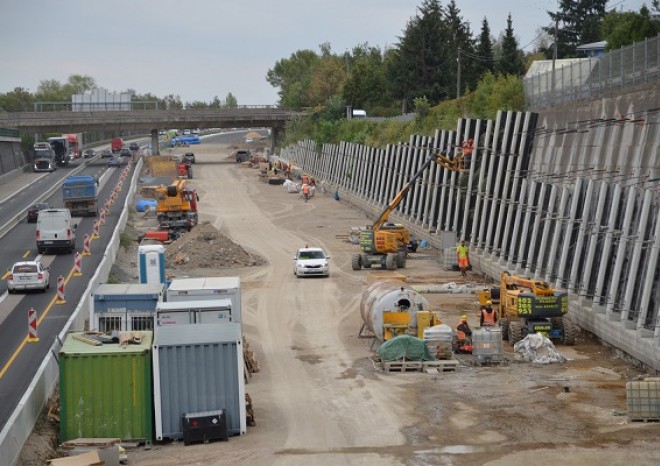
(386, 244)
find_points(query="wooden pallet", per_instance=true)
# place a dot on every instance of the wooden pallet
(442, 365)
(402, 366)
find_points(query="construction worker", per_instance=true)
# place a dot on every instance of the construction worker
(305, 191)
(488, 315)
(463, 335)
(463, 256)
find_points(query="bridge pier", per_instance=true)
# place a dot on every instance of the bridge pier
(275, 136)
(155, 147)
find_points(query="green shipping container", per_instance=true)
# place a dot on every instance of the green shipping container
(106, 391)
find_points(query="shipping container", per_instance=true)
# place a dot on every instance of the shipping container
(198, 368)
(204, 288)
(105, 391)
(125, 307)
(216, 311)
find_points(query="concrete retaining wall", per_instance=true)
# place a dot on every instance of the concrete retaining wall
(570, 196)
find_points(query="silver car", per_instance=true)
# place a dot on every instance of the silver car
(311, 262)
(28, 275)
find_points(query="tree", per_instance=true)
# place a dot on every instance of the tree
(327, 79)
(420, 64)
(18, 100)
(579, 22)
(231, 101)
(485, 59)
(510, 61)
(366, 85)
(624, 28)
(293, 77)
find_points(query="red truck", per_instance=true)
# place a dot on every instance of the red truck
(117, 144)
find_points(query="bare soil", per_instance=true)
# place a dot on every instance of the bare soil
(319, 398)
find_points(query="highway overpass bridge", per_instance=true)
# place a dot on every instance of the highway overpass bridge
(150, 120)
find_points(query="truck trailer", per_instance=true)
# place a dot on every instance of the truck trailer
(60, 146)
(75, 144)
(80, 195)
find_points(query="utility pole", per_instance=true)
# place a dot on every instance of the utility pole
(458, 75)
(554, 54)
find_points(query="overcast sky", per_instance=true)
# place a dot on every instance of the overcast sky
(198, 49)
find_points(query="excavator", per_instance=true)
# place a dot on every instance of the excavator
(387, 244)
(527, 306)
(177, 207)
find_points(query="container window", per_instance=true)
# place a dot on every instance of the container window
(108, 324)
(142, 323)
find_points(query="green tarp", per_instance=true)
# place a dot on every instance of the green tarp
(411, 347)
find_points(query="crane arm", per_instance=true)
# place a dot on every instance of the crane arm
(437, 157)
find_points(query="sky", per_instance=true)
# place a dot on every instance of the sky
(199, 49)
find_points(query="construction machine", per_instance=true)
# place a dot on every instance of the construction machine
(177, 207)
(387, 244)
(526, 306)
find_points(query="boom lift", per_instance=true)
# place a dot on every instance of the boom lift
(528, 306)
(387, 243)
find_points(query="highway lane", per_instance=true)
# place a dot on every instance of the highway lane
(19, 360)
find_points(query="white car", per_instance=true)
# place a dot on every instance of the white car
(311, 262)
(28, 275)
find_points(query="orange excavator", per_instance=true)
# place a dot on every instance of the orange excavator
(177, 207)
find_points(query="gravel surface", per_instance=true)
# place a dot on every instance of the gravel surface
(320, 400)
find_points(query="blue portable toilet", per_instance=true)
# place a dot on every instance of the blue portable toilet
(151, 263)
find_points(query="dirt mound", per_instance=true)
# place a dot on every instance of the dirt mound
(204, 247)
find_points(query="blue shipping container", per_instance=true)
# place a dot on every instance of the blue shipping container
(125, 307)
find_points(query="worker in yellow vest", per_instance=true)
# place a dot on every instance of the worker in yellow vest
(463, 256)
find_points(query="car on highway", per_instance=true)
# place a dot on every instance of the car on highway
(125, 152)
(33, 211)
(188, 157)
(89, 153)
(106, 153)
(311, 262)
(134, 146)
(28, 275)
(114, 162)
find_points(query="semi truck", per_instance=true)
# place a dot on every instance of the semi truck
(75, 144)
(44, 157)
(80, 195)
(60, 146)
(116, 145)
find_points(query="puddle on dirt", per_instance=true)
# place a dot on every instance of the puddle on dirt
(457, 450)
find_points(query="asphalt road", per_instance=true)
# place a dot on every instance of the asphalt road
(18, 359)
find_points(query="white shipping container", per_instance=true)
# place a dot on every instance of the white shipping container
(205, 288)
(212, 311)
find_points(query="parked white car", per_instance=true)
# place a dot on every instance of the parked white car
(28, 275)
(311, 262)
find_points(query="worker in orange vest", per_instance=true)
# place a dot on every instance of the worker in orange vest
(468, 148)
(488, 315)
(463, 336)
(305, 191)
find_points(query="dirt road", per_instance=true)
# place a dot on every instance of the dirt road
(318, 398)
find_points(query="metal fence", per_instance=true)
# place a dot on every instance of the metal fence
(592, 77)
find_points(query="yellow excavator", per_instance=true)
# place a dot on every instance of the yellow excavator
(528, 306)
(387, 244)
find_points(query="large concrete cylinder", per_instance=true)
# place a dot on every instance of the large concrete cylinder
(388, 296)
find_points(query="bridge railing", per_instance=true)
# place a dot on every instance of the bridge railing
(136, 105)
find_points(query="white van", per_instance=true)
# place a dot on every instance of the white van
(55, 230)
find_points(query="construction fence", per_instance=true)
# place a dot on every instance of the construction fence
(594, 77)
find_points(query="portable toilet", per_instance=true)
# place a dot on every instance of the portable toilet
(151, 263)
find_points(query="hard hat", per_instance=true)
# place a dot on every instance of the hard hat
(463, 318)
(489, 302)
